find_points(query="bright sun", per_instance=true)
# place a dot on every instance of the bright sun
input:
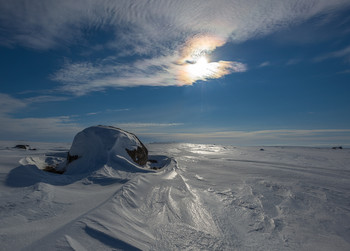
(201, 68)
(193, 63)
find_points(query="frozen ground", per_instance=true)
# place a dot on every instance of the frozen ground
(206, 197)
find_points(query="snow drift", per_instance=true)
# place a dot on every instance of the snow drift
(204, 197)
(99, 146)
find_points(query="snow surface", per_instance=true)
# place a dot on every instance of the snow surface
(206, 197)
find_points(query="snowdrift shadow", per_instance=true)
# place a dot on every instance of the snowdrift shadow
(31, 171)
(28, 175)
(109, 240)
(23, 176)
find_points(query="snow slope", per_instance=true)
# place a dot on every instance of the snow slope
(205, 197)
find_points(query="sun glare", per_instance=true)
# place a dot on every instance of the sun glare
(194, 65)
(201, 68)
(198, 68)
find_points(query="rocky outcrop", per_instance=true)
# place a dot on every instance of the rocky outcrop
(139, 155)
(97, 146)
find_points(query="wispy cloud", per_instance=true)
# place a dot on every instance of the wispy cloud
(81, 78)
(44, 99)
(147, 125)
(162, 32)
(344, 72)
(264, 64)
(52, 128)
(343, 53)
(172, 70)
(57, 22)
(107, 111)
(10, 104)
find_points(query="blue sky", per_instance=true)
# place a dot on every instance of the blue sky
(231, 72)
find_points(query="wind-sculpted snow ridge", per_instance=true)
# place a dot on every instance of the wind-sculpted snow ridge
(154, 211)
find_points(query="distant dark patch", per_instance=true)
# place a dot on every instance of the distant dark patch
(25, 147)
(337, 147)
(262, 149)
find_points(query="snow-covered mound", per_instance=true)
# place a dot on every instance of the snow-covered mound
(99, 146)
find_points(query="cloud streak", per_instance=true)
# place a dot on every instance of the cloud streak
(317, 137)
(264, 64)
(52, 128)
(137, 125)
(65, 127)
(344, 53)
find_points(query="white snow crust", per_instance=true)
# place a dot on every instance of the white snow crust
(205, 197)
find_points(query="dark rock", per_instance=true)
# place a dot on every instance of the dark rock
(71, 158)
(52, 169)
(337, 147)
(25, 147)
(139, 155)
